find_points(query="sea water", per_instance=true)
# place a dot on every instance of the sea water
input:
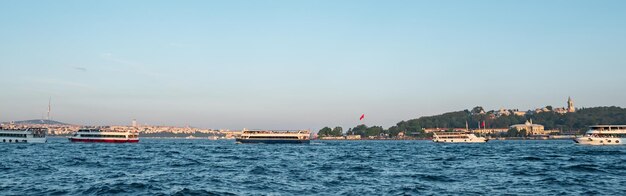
(203, 167)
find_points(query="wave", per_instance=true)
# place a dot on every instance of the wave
(362, 168)
(530, 158)
(258, 170)
(186, 191)
(83, 162)
(415, 189)
(584, 168)
(56, 192)
(184, 163)
(436, 178)
(119, 188)
(326, 167)
(606, 152)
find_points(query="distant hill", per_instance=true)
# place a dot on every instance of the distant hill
(39, 122)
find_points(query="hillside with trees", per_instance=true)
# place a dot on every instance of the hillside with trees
(575, 121)
(569, 122)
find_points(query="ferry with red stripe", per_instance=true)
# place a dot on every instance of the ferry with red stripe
(105, 135)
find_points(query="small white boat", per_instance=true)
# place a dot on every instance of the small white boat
(603, 135)
(27, 135)
(457, 137)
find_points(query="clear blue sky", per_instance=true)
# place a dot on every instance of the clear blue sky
(304, 64)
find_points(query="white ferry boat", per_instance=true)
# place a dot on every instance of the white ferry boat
(270, 137)
(27, 135)
(603, 135)
(104, 135)
(457, 137)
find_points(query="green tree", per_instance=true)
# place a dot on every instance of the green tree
(337, 131)
(512, 133)
(326, 131)
(375, 131)
(477, 110)
(394, 130)
(360, 130)
(523, 133)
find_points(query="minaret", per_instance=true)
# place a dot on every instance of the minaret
(570, 105)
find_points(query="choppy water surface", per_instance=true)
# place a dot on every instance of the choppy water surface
(188, 167)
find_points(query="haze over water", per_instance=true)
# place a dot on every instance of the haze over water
(188, 167)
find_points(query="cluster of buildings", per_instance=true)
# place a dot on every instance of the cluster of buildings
(529, 127)
(346, 137)
(563, 110)
(54, 129)
(67, 129)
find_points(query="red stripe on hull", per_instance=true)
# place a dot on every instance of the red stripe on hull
(103, 140)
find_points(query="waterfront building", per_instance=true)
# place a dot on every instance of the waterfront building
(533, 129)
(400, 135)
(490, 130)
(332, 138)
(430, 130)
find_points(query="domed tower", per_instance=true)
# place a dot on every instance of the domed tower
(570, 105)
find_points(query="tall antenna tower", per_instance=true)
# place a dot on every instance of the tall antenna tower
(49, 101)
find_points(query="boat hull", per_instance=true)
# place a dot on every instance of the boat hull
(457, 137)
(269, 141)
(22, 140)
(599, 141)
(478, 140)
(103, 140)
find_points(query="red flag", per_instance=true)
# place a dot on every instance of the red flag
(362, 116)
(483, 124)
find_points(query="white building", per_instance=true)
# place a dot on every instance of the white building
(531, 129)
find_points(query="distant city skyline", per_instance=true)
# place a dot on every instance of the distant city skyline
(304, 64)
